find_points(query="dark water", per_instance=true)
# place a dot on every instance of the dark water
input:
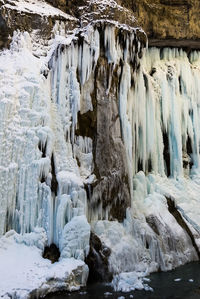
(163, 284)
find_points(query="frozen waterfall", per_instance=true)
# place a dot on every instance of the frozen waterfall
(98, 135)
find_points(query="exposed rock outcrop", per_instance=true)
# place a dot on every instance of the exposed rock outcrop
(111, 191)
(97, 260)
(91, 10)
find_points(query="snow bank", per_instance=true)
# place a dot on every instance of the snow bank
(23, 270)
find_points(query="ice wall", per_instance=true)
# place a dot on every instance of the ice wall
(41, 185)
(156, 126)
(159, 108)
(85, 78)
(47, 157)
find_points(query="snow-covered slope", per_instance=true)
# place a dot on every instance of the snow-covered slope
(36, 7)
(25, 273)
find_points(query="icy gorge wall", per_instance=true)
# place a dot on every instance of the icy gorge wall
(99, 150)
(69, 134)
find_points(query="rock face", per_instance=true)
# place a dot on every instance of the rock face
(94, 10)
(111, 191)
(173, 23)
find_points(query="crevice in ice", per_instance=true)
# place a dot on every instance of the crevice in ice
(89, 191)
(9, 219)
(139, 165)
(189, 145)
(146, 82)
(52, 253)
(152, 72)
(180, 86)
(42, 148)
(189, 161)
(54, 182)
(166, 153)
(149, 165)
(177, 215)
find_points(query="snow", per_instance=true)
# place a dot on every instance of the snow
(23, 270)
(177, 279)
(64, 177)
(107, 294)
(104, 3)
(36, 7)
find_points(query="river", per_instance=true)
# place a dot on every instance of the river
(183, 282)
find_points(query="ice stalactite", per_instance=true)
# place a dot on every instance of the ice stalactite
(159, 105)
(41, 184)
(163, 112)
(85, 75)
(158, 100)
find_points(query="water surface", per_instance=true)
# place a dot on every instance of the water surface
(182, 283)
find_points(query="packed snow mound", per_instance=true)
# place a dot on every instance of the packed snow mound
(23, 270)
